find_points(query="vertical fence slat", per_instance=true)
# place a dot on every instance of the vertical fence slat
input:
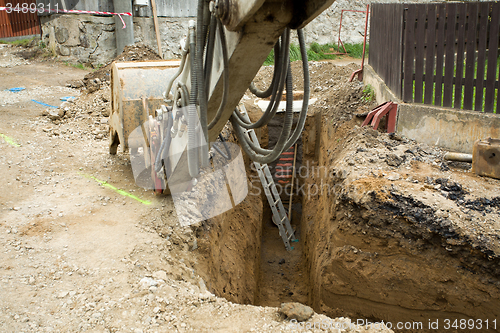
(498, 95)
(470, 65)
(17, 24)
(387, 20)
(491, 75)
(409, 44)
(449, 68)
(481, 54)
(419, 52)
(462, 18)
(440, 55)
(430, 49)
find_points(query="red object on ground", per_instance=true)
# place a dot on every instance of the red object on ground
(388, 108)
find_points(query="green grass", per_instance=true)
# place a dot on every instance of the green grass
(78, 65)
(317, 52)
(20, 42)
(461, 106)
(368, 93)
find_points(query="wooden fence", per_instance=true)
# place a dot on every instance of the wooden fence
(16, 24)
(448, 53)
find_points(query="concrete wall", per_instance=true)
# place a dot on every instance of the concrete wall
(451, 129)
(172, 30)
(325, 28)
(455, 130)
(382, 91)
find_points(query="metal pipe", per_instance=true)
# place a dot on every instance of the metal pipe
(339, 42)
(459, 157)
(364, 42)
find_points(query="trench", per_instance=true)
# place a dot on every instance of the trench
(354, 261)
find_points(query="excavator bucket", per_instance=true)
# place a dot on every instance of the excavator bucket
(137, 92)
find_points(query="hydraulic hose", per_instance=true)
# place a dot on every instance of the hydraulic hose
(284, 142)
(179, 72)
(223, 141)
(199, 73)
(276, 97)
(307, 92)
(285, 132)
(192, 154)
(210, 53)
(289, 108)
(266, 93)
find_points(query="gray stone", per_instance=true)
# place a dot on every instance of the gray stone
(296, 311)
(393, 160)
(56, 114)
(64, 51)
(62, 35)
(84, 42)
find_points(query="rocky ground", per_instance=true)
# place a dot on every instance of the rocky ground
(75, 253)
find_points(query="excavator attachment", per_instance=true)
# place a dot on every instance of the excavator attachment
(137, 92)
(155, 102)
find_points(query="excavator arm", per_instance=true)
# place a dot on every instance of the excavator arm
(169, 111)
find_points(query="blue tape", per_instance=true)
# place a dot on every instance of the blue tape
(18, 89)
(42, 103)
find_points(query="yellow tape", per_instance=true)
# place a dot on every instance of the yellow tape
(122, 192)
(10, 141)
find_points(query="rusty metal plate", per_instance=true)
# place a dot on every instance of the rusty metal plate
(486, 158)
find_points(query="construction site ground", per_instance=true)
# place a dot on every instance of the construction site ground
(401, 231)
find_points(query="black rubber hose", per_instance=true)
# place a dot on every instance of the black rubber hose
(289, 108)
(210, 53)
(277, 93)
(276, 98)
(266, 93)
(283, 138)
(199, 72)
(228, 156)
(307, 92)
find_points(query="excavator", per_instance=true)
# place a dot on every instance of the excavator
(170, 114)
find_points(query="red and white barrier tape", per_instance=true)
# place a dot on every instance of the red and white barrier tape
(72, 11)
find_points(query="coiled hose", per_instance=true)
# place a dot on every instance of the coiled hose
(284, 142)
(278, 91)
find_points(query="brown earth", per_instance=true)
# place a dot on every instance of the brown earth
(75, 255)
(388, 229)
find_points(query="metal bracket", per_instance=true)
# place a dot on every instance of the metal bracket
(388, 108)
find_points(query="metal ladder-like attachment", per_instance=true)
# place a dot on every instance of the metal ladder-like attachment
(280, 217)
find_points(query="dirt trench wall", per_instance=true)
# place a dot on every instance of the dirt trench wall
(232, 241)
(373, 253)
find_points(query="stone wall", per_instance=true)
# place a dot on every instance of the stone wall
(83, 38)
(325, 28)
(91, 39)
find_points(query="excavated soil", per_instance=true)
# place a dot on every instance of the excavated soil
(389, 231)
